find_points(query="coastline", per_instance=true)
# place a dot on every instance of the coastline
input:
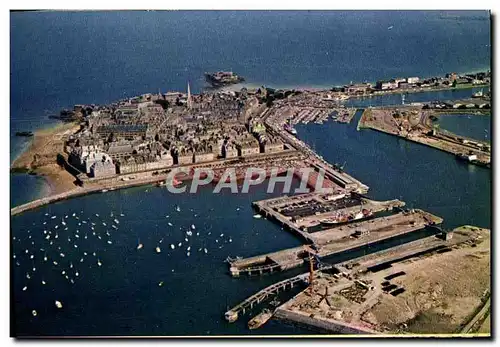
(44, 145)
(39, 158)
(325, 86)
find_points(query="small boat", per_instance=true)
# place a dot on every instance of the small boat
(116, 221)
(260, 319)
(58, 304)
(104, 191)
(24, 133)
(140, 246)
(479, 94)
(193, 226)
(172, 246)
(158, 250)
(257, 216)
(178, 209)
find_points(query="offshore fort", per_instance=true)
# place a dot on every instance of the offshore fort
(348, 284)
(223, 78)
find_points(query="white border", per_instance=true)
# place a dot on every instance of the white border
(218, 4)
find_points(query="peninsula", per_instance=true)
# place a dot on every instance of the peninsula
(140, 140)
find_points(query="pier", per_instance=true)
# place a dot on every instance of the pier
(232, 314)
(334, 241)
(300, 214)
(414, 124)
(270, 262)
(342, 297)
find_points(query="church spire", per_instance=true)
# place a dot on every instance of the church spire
(189, 101)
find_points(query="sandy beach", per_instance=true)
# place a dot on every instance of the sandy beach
(40, 157)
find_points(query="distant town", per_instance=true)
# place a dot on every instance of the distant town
(157, 131)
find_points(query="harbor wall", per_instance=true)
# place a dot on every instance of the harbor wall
(329, 326)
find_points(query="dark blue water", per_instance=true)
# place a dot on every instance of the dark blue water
(123, 296)
(26, 188)
(471, 125)
(59, 59)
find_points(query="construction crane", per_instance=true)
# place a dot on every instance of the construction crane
(310, 252)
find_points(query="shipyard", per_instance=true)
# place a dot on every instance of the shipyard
(362, 259)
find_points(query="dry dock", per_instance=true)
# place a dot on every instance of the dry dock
(334, 241)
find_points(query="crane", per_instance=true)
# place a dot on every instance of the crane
(310, 252)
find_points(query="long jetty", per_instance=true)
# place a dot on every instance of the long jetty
(115, 182)
(232, 314)
(83, 191)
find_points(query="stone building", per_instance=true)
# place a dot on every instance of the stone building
(249, 146)
(102, 169)
(273, 145)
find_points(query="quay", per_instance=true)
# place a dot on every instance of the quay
(365, 295)
(440, 242)
(413, 124)
(345, 116)
(302, 212)
(91, 185)
(334, 241)
(270, 262)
